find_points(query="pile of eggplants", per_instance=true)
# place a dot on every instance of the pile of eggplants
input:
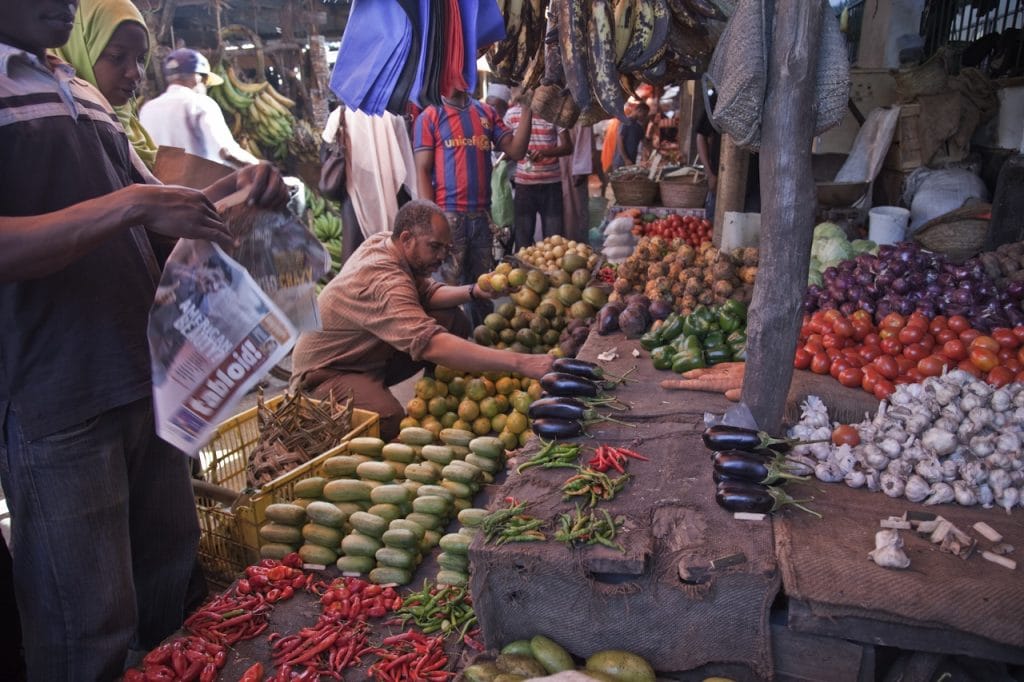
(904, 278)
(570, 390)
(748, 468)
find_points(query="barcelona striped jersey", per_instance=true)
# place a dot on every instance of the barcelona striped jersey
(462, 139)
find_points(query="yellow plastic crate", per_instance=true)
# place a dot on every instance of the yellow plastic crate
(230, 535)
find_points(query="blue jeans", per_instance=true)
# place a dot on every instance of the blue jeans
(472, 255)
(104, 539)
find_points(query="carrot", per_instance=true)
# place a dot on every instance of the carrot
(708, 384)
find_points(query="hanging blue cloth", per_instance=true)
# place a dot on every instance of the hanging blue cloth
(371, 55)
(427, 38)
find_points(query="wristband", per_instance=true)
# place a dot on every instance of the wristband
(472, 296)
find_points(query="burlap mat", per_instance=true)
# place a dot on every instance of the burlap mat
(594, 598)
(824, 563)
(648, 400)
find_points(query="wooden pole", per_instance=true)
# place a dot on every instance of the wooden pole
(731, 194)
(787, 208)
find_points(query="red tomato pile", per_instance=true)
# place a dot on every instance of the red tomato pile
(903, 350)
(691, 229)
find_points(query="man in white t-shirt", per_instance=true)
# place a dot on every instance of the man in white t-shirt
(186, 117)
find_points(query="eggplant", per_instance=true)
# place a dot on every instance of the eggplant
(560, 407)
(553, 428)
(752, 466)
(565, 384)
(580, 368)
(742, 496)
(724, 437)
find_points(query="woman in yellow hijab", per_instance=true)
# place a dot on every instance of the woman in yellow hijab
(109, 47)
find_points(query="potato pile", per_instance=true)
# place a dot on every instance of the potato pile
(1005, 264)
(674, 273)
(549, 312)
(485, 403)
(550, 255)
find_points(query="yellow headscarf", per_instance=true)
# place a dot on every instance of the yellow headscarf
(95, 23)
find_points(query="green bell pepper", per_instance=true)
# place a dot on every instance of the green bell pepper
(738, 339)
(736, 309)
(739, 353)
(662, 357)
(728, 322)
(650, 341)
(687, 343)
(672, 328)
(717, 354)
(698, 323)
(714, 339)
(687, 360)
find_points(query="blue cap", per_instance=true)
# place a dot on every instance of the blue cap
(184, 61)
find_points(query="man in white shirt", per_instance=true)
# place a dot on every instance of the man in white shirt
(186, 117)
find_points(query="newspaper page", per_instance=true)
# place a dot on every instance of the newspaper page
(213, 334)
(284, 257)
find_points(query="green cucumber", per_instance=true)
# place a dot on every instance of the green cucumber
(399, 452)
(366, 445)
(309, 488)
(376, 471)
(346, 490)
(449, 577)
(455, 543)
(422, 473)
(280, 533)
(368, 524)
(428, 521)
(487, 446)
(318, 555)
(490, 466)
(432, 504)
(456, 437)
(387, 575)
(325, 536)
(415, 435)
(395, 558)
(453, 562)
(472, 517)
(439, 454)
(359, 544)
(388, 512)
(411, 526)
(325, 513)
(286, 514)
(437, 490)
(403, 538)
(276, 550)
(350, 563)
(343, 466)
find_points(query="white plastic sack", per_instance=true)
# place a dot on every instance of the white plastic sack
(622, 239)
(619, 226)
(932, 193)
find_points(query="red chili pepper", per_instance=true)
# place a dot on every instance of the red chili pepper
(287, 592)
(273, 595)
(159, 673)
(292, 560)
(159, 655)
(209, 673)
(134, 675)
(193, 671)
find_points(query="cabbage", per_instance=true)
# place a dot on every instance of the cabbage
(829, 231)
(814, 277)
(863, 245)
(832, 249)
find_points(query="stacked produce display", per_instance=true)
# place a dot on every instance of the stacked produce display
(376, 510)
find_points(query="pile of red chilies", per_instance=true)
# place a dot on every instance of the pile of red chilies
(609, 457)
(186, 658)
(411, 656)
(339, 639)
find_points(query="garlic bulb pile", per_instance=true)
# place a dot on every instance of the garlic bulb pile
(951, 438)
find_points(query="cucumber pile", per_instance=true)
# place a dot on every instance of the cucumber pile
(377, 509)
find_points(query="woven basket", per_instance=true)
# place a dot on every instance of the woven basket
(959, 234)
(683, 192)
(635, 192)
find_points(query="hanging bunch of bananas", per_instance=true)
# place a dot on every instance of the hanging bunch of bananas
(519, 58)
(304, 144)
(605, 48)
(324, 218)
(255, 110)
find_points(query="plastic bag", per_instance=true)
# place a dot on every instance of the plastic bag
(931, 193)
(285, 259)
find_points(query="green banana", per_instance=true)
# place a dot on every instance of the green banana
(605, 84)
(573, 33)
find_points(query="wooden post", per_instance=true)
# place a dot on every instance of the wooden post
(787, 208)
(731, 195)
